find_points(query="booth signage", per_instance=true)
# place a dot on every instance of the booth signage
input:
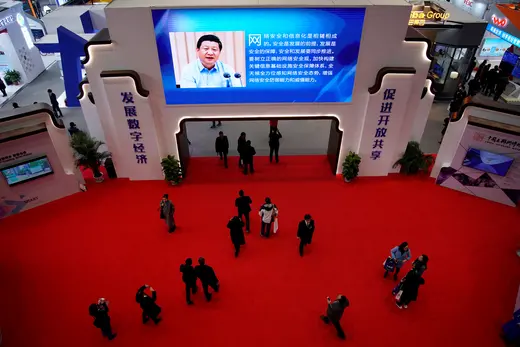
(132, 121)
(6, 21)
(499, 22)
(420, 18)
(14, 156)
(382, 124)
(258, 55)
(497, 140)
(504, 35)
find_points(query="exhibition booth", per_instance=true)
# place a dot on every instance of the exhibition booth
(145, 81)
(20, 60)
(456, 35)
(480, 152)
(36, 162)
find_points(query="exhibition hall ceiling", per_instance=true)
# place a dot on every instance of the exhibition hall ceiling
(251, 3)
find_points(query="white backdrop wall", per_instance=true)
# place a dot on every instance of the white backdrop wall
(134, 48)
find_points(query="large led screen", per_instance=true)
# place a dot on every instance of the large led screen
(214, 56)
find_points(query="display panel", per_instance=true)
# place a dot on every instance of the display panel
(258, 55)
(494, 163)
(27, 171)
(494, 47)
(510, 58)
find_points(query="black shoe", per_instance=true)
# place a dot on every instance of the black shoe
(145, 320)
(194, 291)
(208, 297)
(236, 254)
(213, 126)
(301, 254)
(395, 277)
(386, 274)
(190, 302)
(157, 321)
(112, 337)
(343, 337)
(324, 319)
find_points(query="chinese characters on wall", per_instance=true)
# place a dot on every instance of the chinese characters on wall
(382, 124)
(290, 58)
(134, 127)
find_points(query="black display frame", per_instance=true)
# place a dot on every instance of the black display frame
(25, 161)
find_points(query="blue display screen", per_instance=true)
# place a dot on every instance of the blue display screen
(27, 171)
(494, 163)
(258, 55)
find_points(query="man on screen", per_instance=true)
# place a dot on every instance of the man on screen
(207, 71)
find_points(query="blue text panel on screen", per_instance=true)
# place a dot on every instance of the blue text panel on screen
(257, 55)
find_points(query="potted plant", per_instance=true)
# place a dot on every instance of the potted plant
(171, 168)
(414, 160)
(87, 154)
(351, 166)
(12, 77)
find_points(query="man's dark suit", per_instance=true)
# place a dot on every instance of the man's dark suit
(305, 233)
(243, 204)
(222, 148)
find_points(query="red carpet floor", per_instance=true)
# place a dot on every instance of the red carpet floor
(57, 259)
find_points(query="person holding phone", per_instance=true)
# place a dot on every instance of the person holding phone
(150, 309)
(101, 318)
(334, 313)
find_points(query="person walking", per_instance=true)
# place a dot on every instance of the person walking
(268, 212)
(3, 87)
(214, 125)
(147, 303)
(334, 313)
(473, 87)
(101, 318)
(480, 68)
(400, 254)
(240, 149)
(73, 129)
(243, 204)
(484, 75)
(222, 147)
(207, 277)
(470, 69)
(502, 82)
(15, 105)
(305, 232)
(274, 144)
(409, 289)
(248, 154)
(54, 103)
(189, 278)
(167, 209)
(236, 232)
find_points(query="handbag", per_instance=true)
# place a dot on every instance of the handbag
(398, 295)
(389, 264)
(275, 228)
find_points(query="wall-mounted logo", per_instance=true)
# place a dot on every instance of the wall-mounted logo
(499, 22)
(468, 3)
(7, 20)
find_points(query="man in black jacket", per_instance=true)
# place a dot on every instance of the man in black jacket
(55, 104)
(73, 129)
(189, 278)
(2, 88)
(207, 277)
(248, 154)
(236, 232)
(150, 309)
(335, 312)
(240, 148)
(305, 232)
(101, 318)
(243, 204)
(274, 144)
(222, 147)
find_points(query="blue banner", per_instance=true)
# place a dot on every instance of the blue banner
(504, 35)
(260, 55)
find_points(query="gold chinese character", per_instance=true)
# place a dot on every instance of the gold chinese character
(410, 22)
(416, 22)
(422, 22)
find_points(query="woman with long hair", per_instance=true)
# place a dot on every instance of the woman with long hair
(400, 254)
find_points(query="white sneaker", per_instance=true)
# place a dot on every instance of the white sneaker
(400, 307)
(405, 306)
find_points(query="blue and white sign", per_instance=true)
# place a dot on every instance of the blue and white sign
(258, 55)
(504, 35)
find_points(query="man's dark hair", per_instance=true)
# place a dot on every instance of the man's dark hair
(72, 124)
(189, 261)
(202, 261)
(211, 38)
(344, 301)
(15, 105)
(307, 216)
(241, 192)
(49, 90)
(221, 133)
(165, 196)
(242, 134)
(248, 142)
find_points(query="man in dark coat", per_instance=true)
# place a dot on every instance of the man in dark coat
(502, 82)
(305, 232)
(491, 81)
(189, 278)
(240, 148)
(243, 204)
(222, 147)
(470, 69)
(274, 144)
(473, 87)
(335, 311)
(480, 68)
(55, 104)
(248, 154)
(207, 277)
(101, 318)
(73, 129)
(2, 88)
(150, 309)
(236, 232)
